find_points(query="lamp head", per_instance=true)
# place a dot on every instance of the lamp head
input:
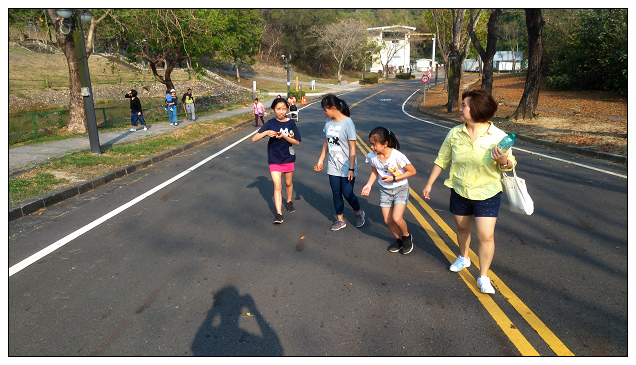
(86, 15)
(64, 13)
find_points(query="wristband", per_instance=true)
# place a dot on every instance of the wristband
(394, 179)
(351, 170)
(504, 166)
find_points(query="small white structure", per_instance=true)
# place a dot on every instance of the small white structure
(504, 61)
(395, 44)
(470, 65)
(424, 65)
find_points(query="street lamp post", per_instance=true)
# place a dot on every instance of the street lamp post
(287, 59)
(76, 16)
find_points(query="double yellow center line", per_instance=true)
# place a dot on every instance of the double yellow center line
(515, 335)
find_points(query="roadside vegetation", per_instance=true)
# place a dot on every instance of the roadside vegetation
(84, 166)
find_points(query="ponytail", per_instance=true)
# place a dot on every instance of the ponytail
(331, 100)
(384, 135)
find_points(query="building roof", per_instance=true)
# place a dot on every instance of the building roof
(507, 56)
(392, 27)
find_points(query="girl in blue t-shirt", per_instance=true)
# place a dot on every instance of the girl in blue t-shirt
(339, 147)
(283, 136)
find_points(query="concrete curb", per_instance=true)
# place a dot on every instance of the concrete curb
(557, 146)
(33, 205)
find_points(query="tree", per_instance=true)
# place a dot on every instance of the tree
(341, 40)
(238, 34)
(528, 104)
(167, 37)
(595, 56)
(456, 50)
(77, 122)
(511, 33)
(491, 44)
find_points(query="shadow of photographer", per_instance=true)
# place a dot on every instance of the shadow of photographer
(220, 334)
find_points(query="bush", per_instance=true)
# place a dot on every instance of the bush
(403, 75)
(296, 94)
(371, 79)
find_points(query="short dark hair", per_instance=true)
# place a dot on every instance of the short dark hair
(278, 100)
(482, 105)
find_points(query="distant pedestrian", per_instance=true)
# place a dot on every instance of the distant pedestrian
(258, 110)
(292, 103)
(136, 113)
(392, 169)
(188, 105)
(340, 148)
(171, 103)
(283, 136)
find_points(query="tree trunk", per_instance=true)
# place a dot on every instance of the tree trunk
(528, 103)
(488, 54)
(76, 114)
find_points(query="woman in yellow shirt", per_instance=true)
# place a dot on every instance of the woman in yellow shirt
(474, 179)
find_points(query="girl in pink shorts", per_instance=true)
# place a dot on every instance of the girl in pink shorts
(283, 136)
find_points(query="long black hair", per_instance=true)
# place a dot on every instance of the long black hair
(331, 100)
(384, 135)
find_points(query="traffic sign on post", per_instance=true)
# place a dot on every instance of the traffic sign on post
(425, 79)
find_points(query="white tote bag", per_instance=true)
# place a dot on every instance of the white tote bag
(518, 197)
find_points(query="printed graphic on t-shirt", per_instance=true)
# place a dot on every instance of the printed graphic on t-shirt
(394, 169)
(333, 139)
(288, 132)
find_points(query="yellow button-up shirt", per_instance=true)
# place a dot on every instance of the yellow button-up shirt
(473, 174)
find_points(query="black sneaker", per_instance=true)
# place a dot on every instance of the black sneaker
(407, 244)
(290, 207)
(278, 219)
(396, 246)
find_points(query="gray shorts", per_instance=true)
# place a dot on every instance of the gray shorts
(389, 197)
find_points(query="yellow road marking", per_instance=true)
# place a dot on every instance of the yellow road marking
(548, 336)
(498, 315)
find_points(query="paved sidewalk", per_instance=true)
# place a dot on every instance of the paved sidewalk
(25, 158)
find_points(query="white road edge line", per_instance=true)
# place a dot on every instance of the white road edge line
(518, 149)
(61, 242)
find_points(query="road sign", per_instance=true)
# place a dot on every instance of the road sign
(429, 73)
(425, 79)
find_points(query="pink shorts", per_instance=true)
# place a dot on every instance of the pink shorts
(284, 167)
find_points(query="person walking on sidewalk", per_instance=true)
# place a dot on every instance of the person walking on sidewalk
(258, 110)
(283, 136)
(475, 179)
(188, 105)
(136, 113)
(392, 169)
(171, 103)
(340, 147)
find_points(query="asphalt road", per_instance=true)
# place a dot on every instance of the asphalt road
(182, 258)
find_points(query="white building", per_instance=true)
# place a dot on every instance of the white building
(504, 60)
(395, 43)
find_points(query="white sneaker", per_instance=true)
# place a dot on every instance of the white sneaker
(145, 128)
(133, 130)
(459, 264)
(171, 123)
(483, 283)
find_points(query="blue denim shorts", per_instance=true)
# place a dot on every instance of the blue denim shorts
(479, 208)
(398, 195)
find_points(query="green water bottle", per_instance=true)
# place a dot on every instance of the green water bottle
(506, 142)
